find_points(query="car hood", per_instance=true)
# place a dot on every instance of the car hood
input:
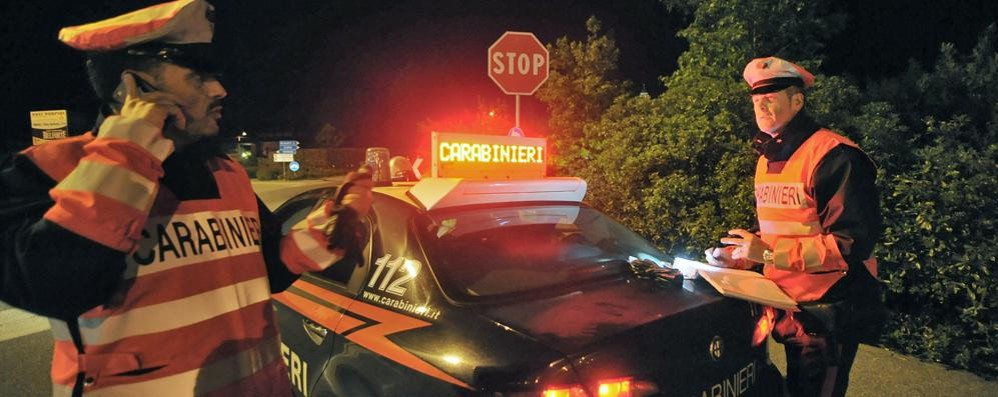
(590, 313)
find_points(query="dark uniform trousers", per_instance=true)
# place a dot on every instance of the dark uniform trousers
(821, 343)
(818, 365)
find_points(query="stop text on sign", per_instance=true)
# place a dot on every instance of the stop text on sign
(518, 63)
(457, 155)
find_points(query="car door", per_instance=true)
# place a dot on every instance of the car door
(391, 327)
(309, 311)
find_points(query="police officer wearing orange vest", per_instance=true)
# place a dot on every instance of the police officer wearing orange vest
(142, 242)
(818, 220)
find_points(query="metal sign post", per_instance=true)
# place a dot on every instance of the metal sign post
(286, 150)
(517, 125)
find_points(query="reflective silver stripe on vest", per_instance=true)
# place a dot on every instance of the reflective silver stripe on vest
(174, 314)
(789, 228)
(116, 182)
(810, 253)
(781, 254)
(229, 221)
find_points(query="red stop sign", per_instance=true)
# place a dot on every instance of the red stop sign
(518, 63)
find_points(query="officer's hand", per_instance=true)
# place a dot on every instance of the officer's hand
(749, 246)
(153, 107)
(720, 257)
(342, 219)
(358, 196)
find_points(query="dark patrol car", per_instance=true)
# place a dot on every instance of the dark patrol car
(510, 288)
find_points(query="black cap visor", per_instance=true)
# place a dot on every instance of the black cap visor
(776, 84)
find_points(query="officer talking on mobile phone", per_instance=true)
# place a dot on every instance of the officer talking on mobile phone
(142, 241)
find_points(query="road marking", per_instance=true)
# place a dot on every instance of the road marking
(15, 323)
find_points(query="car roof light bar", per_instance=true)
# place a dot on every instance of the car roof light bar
(436, 193)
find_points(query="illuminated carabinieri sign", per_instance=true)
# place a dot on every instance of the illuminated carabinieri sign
(488, 156)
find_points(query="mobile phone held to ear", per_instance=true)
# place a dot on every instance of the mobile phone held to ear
(118, 96)
(144, 87)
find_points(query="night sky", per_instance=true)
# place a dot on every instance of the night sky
(379, 69)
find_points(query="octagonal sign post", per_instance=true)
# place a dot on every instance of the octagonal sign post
(518, 64)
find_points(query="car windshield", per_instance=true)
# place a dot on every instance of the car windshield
(491, 252)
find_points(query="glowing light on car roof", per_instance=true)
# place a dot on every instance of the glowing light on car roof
(488, 156)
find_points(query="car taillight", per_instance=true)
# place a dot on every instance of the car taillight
(621, 387)
(614, 388)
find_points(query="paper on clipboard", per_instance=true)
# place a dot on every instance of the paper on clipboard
(741, 284)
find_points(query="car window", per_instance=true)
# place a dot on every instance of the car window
(296, 216)
(492, 252)
(296, 208)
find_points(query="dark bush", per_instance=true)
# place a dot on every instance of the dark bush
(940, 197)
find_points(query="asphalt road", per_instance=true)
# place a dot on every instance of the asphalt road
(881, 372)
(26, 348)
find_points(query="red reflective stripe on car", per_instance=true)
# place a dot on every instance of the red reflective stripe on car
(375, 336)
(348, 323)
(322, 315)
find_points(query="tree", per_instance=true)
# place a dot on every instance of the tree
(582, 83)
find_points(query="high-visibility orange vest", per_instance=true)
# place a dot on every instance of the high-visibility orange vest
(807, 260)
(192, 314)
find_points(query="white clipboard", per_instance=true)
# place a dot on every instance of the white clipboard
(740, 284)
